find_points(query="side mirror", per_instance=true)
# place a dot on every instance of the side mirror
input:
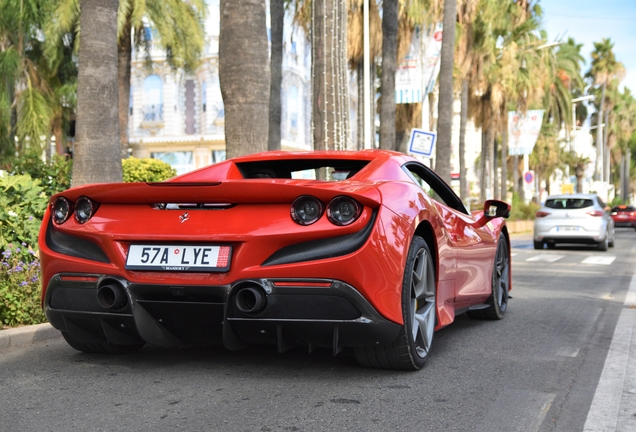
(496, 208)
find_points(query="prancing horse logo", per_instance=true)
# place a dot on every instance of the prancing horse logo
(184, 217)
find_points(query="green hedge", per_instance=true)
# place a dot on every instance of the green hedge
(146, 170)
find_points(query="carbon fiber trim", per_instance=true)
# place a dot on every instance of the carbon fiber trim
(77, 247)
(323, 248)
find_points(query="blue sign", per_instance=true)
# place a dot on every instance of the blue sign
(422, 142)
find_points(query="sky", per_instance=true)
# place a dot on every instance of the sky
(589, 21)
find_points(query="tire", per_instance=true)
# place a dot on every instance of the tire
(101, 347)
(538, 245)
(412, 347)
(604, 244)
(498, 300)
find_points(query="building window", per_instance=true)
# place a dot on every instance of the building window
(190, 128)
(218, 156)
(292, 104)
(153, 99)
(204, 94)
(182, 161)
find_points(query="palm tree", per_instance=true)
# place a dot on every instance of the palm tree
(389, 62)
(446, 94)
(178, 26)
(602, 71)
(277, 20)
(464, 51)
(97, 155)
(34, 92)
(330, 86)
(244, 75)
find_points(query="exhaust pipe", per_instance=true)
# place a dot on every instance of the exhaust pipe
(111, 295)
(250, 299)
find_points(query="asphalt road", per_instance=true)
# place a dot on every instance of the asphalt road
(537, 370)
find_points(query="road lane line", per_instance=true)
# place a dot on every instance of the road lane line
(517, 410)
(601, 260)
(545, 258)
(606, 405)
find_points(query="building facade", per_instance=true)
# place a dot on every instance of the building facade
(179, 117)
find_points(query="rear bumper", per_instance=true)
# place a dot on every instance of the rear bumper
(313, 313)
(624, 224)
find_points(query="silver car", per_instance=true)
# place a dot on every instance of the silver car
(576, 218)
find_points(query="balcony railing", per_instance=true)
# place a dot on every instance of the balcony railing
(153, 113)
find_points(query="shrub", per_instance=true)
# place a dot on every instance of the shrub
(20, 287)
(22, 204)
(55, 175)
(146, 170)
(522, 211)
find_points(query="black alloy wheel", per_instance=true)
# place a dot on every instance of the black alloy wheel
(498, 301)
(411, 349)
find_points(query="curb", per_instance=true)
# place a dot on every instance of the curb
(27, 335)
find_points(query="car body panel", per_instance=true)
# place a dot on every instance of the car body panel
(313, 275)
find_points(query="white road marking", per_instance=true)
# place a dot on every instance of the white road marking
(545, 258)
(567, 352)
(513, 254)
(600, 260)
(606, 412)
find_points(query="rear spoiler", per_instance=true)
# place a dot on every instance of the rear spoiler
(252, 191)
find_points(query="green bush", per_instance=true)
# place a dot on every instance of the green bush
(20, 287)
(22, 205)
(55, 175)
(146, 170)
(522, 211)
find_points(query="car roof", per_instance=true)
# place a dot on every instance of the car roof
(575, 196)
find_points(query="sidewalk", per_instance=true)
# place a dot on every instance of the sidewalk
(27, 335)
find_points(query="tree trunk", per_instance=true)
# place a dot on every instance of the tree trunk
(244, 75)
(598, 168)
(463, 119)
(486, 144)
(277, 16)
(97, 157)
(124, 54)
(446, 96)
(389, 60)
(606, 157)
(330, 96)
(504, 162)
(495, 171)
(360, 108)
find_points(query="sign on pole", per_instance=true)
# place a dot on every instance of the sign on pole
(523, 131)
(422, 142)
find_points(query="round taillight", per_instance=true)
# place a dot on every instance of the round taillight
(61, 210)
(343, 210)
(84, 210)
(306, 210)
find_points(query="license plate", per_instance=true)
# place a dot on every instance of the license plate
(200, 258)
(568, 228)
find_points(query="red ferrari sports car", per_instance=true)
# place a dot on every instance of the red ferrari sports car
(369, 250)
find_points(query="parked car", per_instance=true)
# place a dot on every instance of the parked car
(577, 218)
(624, 216)
(314, 249)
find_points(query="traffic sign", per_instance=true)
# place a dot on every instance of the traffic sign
(528, 177)
(422, 142)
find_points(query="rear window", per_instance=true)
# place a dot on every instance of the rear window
(568, 203)
(311, 169)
